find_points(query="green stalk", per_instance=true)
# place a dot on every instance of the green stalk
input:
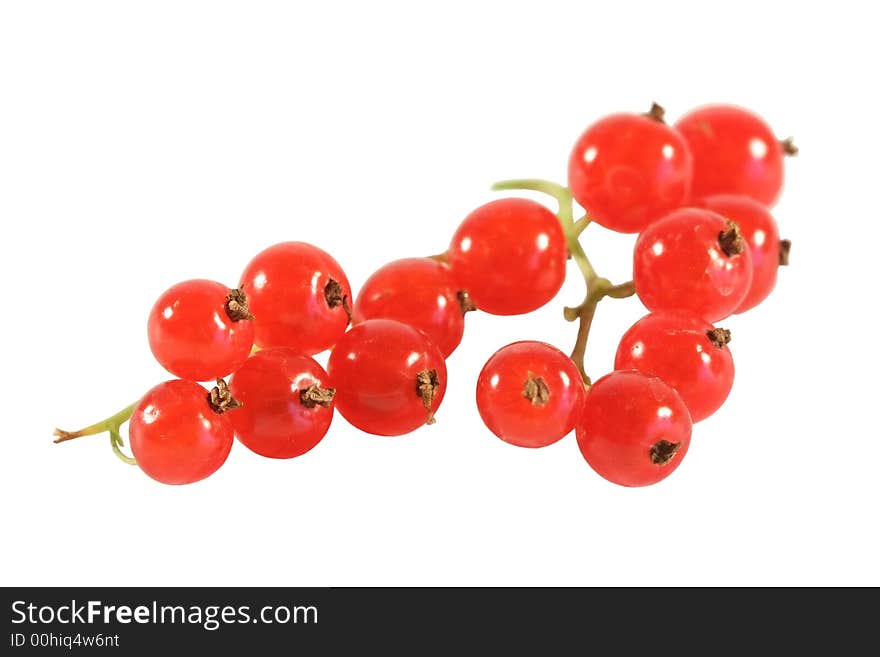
(111, 425)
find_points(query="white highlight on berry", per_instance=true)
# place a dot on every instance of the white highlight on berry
(758, 148)
(543, 241)
(657, 248)
(218, 321)
(590, 154)
(668, 151)
(664, 411)
(149, 414)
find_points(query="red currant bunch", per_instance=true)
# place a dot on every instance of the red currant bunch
(698, 193)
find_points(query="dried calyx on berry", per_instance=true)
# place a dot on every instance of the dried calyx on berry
(784, 252)
(662, 451)
(657, 113)
(731, 240)
(335, 297)
(536, 390)
(221, 399)
(315, 395)
(465, 302)
(719, 337)
(236, 305)
(427, 383)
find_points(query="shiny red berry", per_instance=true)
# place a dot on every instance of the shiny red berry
(634, 430)
(760, 232)
(735, 152)
(177, 436)
(287, 403)
(626, 170)
(420, 292)
(509, 255)
(389, 377)
(686, 352)
(299, 295)
(530, 394)
(200, 330)
(694, 260)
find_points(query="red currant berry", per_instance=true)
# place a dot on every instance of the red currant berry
(419, 292)
(695, 260)
(389, 377)
(686, 352)
(634, 430)
(759, 230)
(178, 431)
(626, 170)
(200, 330)
(530, 394)
(299, 296)
(509, 255)
(735, 152)
(287, 403)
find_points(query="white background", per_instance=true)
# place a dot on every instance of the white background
(146, 143)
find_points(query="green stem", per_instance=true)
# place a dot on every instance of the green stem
(597, 288)
(116, 443)
(581, 224)
(557, 191)
(586, 313)
(621, 291)
(111, 425)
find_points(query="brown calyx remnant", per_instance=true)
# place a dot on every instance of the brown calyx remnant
(784, 251)
(315, 395)
(427, 383)
(464, 301)
(718, 337)
(788, 147)
(61, 435)
(236, 305)
(220, 399)
(657, 113)
(535, 390)
(662, 452)
(731, 240)
(335, 296)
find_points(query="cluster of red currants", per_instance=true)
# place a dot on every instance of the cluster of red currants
(697, 193)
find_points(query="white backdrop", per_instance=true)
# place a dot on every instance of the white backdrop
(146, 143)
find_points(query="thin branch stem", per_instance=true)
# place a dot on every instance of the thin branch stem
(585, 322)
(116, 443)
(621, 291)
(111, 425)
(581, 224)
(113, 422)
